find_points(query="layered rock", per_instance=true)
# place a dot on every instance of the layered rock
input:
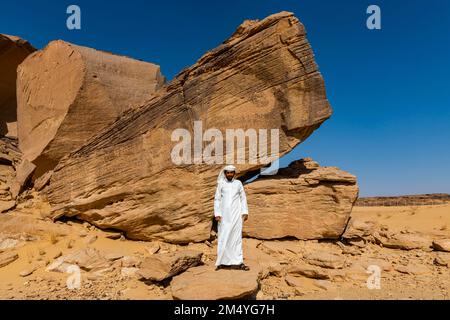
(203, 283)
(10, 158)
(68, 93)
(263, 77)
(13, 50)
(304, 201)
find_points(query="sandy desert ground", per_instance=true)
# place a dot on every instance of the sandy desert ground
(421, 273)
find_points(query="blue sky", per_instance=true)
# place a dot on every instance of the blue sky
(389, 88)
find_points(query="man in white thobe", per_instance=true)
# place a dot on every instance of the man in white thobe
(230, 210)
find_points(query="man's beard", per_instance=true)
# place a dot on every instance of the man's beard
(229, 179)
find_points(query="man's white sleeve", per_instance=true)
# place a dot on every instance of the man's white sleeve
(217, 202)
(244, 207)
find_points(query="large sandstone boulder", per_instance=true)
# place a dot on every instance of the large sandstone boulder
(304, 201)
(263, 77)
(68, 93)
(13, 50)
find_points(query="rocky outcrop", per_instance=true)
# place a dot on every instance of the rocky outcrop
(304, 201)
(7, 258)
(68, 93)
(263, 77)
(10, 158)
(403, 241)
(13, 50)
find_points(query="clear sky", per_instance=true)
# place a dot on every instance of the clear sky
(389, 88)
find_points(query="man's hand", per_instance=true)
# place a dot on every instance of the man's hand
(218, 218)
(245, 217)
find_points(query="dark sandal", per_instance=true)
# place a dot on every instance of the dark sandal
(243, 267)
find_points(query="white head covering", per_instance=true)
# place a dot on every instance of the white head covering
(221, 175)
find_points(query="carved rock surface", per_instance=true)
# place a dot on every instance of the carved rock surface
(68, 93)
(263, 77)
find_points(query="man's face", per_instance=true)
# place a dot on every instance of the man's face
(229, 175)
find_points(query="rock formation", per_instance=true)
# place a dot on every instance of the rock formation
(263, 77)
(9, 159)
(13, 50)
(68, 93)
(304, 201)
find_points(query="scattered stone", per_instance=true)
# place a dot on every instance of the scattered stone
(357, 229)
(8, 243)
(162, 266)
(88, 259)
(70, 244)
(91, 239)
(324, 284)
(153, 248)
(113, 256)
(442, 259)
(442, 245)
(83, 233)
(27, 272)
(113, 235)
(129, 272)
(7, 258)
(7, 205)
(293, 281)
(57, 255)
(130, 261)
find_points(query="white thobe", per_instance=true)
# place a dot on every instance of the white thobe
(230, 203)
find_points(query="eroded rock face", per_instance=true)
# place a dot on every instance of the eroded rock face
(68, 93)
(304, 201)
(13, 50)
(204, 282)
(263, 77)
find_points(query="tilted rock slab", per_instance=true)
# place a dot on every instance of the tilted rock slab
(13, 50)
(263, 77)
(68, 93)
(304, 201)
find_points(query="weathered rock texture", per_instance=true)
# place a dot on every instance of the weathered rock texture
(13, 51)
(200, 283)
(67, 93)
(10, 158)
(263, 77)
(159, 267)
(304, 201)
